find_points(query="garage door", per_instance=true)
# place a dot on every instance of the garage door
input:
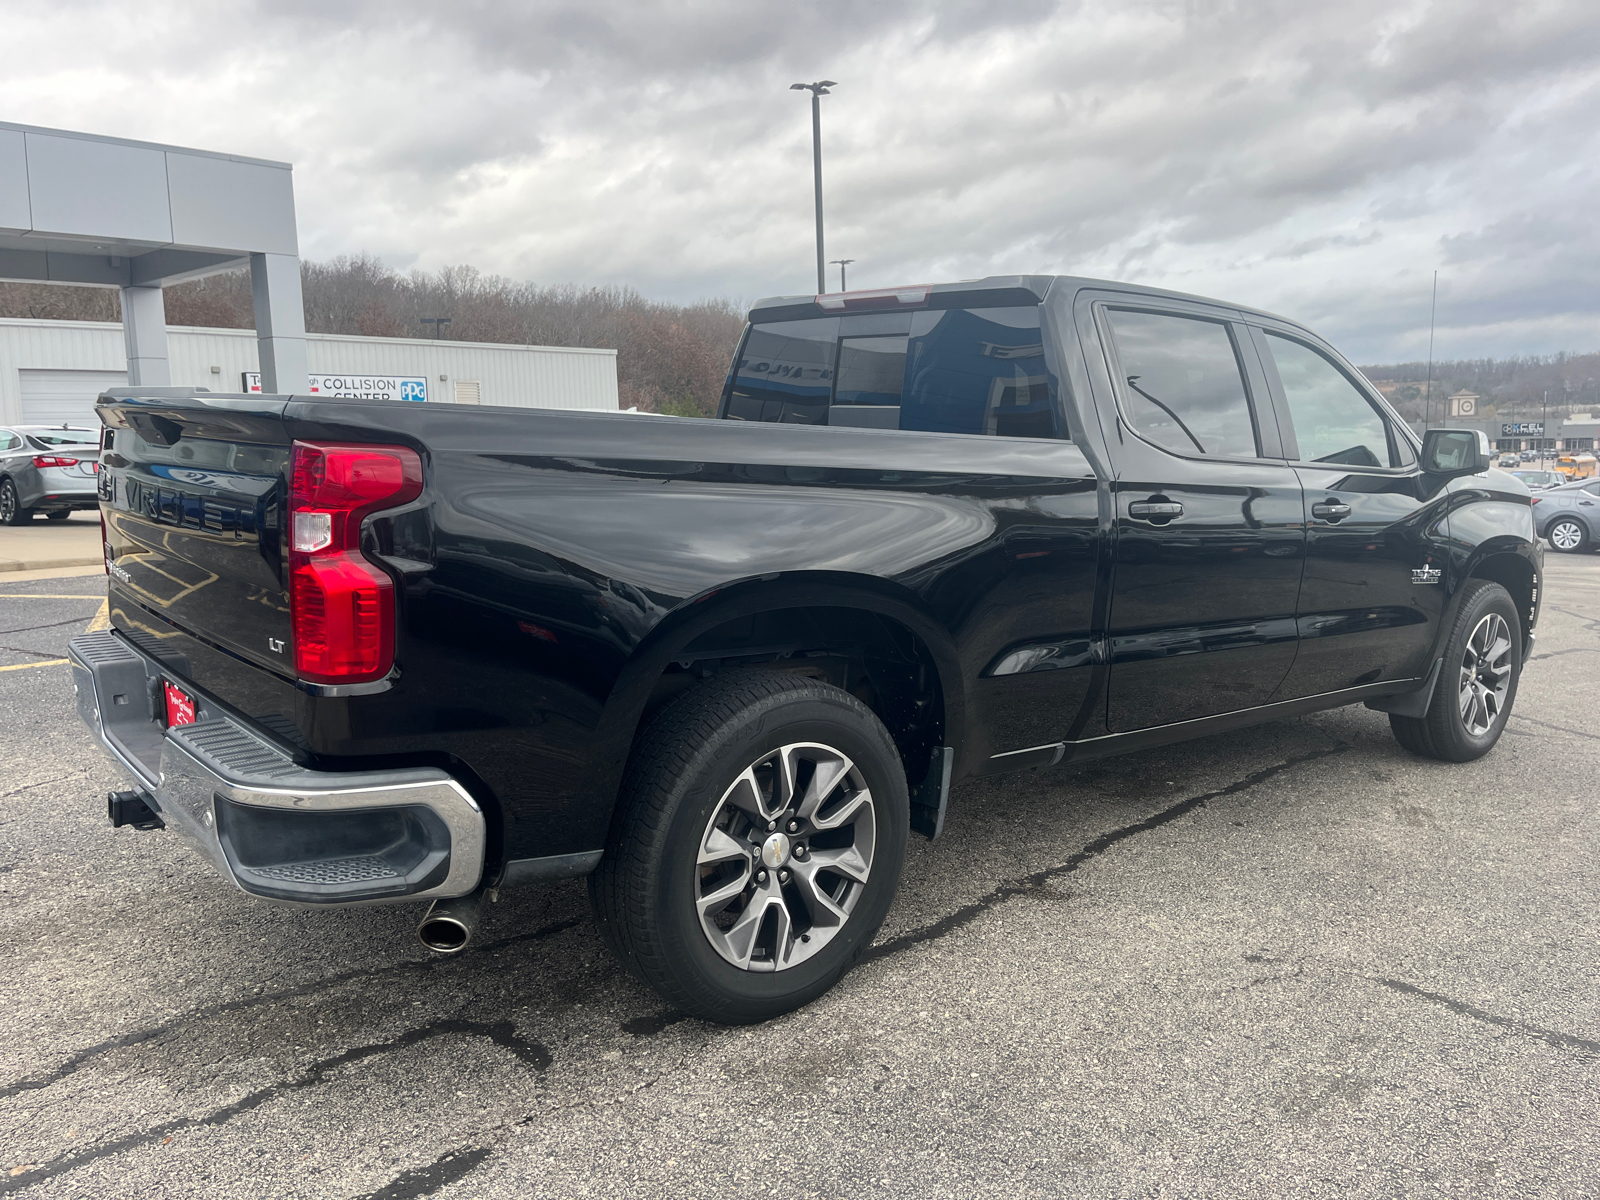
(51, 397)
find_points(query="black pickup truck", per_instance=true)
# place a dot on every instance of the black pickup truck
(369, 652)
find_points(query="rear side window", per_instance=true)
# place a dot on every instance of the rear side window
(1185, 391)
(948, 371)
(9, 440)
(1333, 422)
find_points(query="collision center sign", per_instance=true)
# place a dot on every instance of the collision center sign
(357, 387)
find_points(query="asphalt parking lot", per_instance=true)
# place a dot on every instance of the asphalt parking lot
(1292, 961)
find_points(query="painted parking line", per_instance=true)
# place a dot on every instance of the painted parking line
(53, 662)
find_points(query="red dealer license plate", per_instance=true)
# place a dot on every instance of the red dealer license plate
(180, 705)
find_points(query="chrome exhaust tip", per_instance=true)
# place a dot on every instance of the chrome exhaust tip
(451, 924)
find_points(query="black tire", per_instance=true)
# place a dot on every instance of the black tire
(1444, 733)
(1576, 539)
(679, 775)
(61, 514)
(11, 510)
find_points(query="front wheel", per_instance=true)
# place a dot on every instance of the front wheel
(60, 514)
(1477, 684)
(1568, 536)
(11, 510)
(758, 844)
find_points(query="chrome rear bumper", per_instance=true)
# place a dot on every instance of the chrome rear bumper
(276, 829)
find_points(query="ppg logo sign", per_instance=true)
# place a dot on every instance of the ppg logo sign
(413, 389)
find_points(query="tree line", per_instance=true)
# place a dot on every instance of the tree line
(1521, 387)
(671, 358)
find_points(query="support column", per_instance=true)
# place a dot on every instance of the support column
(280, 322)
(144, 329)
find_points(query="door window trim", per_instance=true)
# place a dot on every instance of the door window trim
(1263, 416)
(1392, 423)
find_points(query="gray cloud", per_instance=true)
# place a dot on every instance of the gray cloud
(1320, 161)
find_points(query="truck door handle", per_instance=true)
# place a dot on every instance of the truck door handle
(1331, 511)
(1157, 512)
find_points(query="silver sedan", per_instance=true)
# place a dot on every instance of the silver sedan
(1568, 516)
(48, 469)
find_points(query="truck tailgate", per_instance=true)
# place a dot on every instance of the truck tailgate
(192, 494)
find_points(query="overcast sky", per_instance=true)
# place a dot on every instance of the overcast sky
(1318, 160)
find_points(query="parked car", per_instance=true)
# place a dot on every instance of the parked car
(1539, 480)
(1568, 516)
(1507, 461)
(46, 469)
(366, 651)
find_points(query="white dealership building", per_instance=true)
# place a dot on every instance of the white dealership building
(91, 211)
(51, 371)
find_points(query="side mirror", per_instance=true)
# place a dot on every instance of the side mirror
(1452, 452)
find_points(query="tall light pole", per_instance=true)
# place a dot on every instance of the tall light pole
(818, 90)
(1427, 412)
(842, 263)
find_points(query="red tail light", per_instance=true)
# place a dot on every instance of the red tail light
(341, 607)
(53, 460)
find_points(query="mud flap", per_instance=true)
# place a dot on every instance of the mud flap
(928, 798)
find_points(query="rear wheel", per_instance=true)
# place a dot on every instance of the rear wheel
(1477, 684)
(758, 845)
(11, 510)
(1568, 535)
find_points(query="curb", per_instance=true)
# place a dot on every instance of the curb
(48, 564)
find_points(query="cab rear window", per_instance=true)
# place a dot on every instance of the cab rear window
(977, 370)
(65, 437)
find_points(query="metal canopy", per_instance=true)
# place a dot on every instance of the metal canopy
(94, 211)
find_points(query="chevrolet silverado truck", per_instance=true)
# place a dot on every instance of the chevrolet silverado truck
(366, 652)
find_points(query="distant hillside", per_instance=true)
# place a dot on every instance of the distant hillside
(1511, 386)
(673, 357)
(670, 357)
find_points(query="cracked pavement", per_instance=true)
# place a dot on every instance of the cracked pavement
(1292, 960)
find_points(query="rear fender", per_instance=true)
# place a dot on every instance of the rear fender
(716, 606)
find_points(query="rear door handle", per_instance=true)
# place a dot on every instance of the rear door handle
(1155, 510)
(1331, 511)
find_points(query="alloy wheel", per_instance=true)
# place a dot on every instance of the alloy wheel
(1566, 535)
(785, 857)
(8, 502)
(1485, 674)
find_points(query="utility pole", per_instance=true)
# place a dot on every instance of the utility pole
(1544, 420)
(438, 324)
(818, 90)
(843, 263)
(1427, 412)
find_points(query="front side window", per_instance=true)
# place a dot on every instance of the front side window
(1333, 422)
(1185, 390)
(785, 372)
